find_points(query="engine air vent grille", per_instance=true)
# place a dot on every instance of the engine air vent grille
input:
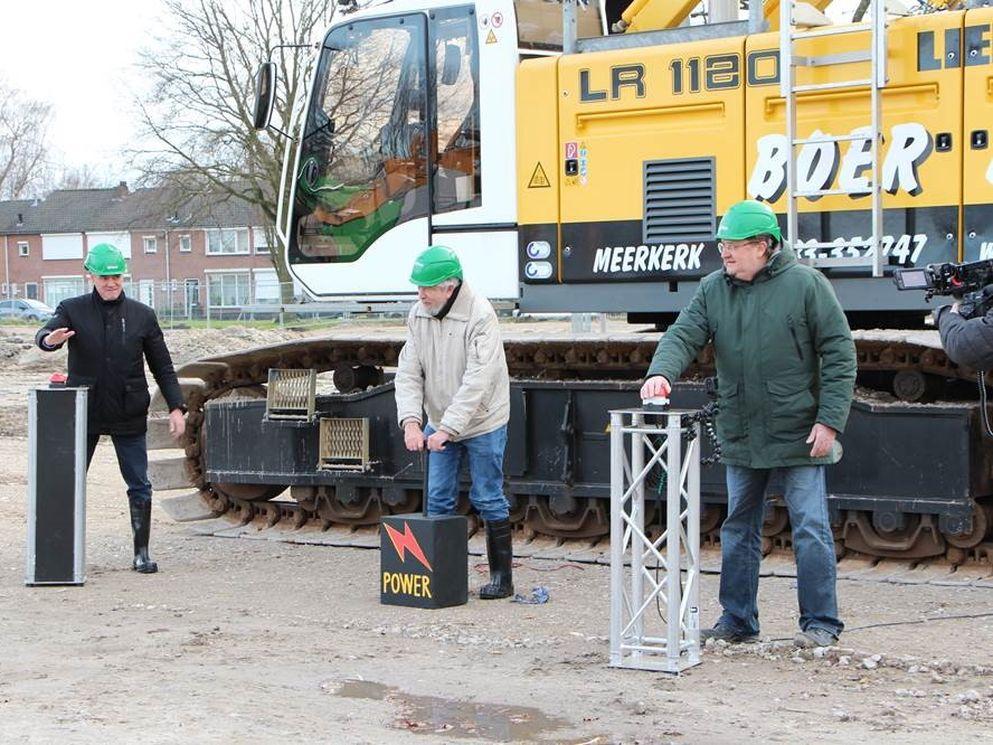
(679, 200)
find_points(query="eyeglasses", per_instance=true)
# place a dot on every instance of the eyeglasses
(732, 247)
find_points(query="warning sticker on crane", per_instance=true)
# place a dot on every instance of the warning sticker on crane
(491, 37)
(538, 178)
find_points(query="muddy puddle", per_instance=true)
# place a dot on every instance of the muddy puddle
(459, 719)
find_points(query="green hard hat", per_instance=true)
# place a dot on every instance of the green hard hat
(434, 266)
(748, 219)
(105, 260)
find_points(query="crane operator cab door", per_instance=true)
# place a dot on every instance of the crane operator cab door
(392, 156)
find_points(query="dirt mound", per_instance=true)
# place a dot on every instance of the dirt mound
(187, 345)
(18, 350)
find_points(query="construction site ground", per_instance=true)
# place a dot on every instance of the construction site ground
(241, 640)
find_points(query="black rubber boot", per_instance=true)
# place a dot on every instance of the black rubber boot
(500, 553)
(141, 526)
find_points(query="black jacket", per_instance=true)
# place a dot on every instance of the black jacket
(968, 342)
(105, 354)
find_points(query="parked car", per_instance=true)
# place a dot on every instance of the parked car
(22, 308)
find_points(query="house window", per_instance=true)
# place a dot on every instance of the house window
(266, 286)
(58, 246)
(185, 244)
(146, 292)
(260, 240)
(23, 249)
(229, 290)
(31, 290)
(192, 296)
(227, 241)
(58, 289)
(150, 244)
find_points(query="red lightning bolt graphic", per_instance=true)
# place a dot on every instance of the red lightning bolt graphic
(407, 541)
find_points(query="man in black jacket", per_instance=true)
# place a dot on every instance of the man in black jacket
(109, 337)
(967, 342)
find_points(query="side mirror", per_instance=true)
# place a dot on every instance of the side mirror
(265, 94)
(452, 66)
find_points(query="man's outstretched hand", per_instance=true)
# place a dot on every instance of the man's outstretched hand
(58, 336)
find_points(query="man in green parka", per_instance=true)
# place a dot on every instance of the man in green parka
(786, 374)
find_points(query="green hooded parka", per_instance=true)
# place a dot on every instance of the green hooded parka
(785, 360)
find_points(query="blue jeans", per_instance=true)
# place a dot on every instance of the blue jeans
(485, 455)
(813, 546)
(132, 459)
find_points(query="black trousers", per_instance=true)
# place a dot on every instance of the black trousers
(132, 459)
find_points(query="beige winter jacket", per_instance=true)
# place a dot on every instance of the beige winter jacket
(454, 369)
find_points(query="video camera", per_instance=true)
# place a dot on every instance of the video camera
(970, 283)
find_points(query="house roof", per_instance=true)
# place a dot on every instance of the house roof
(117, 209)
(12, 213)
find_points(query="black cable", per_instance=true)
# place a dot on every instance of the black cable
(705, 418)
(883, 624)
(958, 617)
(984, 408)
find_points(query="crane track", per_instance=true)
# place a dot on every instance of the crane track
(913, 357)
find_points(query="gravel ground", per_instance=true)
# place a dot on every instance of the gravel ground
(238, 640)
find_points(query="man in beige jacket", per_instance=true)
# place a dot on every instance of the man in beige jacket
(453, 367)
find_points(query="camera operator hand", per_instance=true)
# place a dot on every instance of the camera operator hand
(966, 341)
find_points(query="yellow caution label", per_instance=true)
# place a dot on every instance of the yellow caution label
(491, 37)
(538, 178)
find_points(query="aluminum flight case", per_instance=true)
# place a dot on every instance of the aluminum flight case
(56, 514)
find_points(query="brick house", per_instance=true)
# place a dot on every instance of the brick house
(186, 261)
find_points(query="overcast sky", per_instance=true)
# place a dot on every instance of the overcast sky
(78, 56)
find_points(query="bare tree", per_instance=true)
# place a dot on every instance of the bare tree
(23, 128)
(199, 112)
(82, 177)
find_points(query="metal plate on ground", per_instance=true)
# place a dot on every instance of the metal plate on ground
(167, 474)
(366, 537)
(963, 576)
(557, 551)
(919, 575)
(535, 545)
(185, 508)
(248, 530)
(211, 527)
(590, 553)
(157, 437)
(780, 565)
(854, 567)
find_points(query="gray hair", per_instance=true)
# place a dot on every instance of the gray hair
(450, 283)
(771, 244)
